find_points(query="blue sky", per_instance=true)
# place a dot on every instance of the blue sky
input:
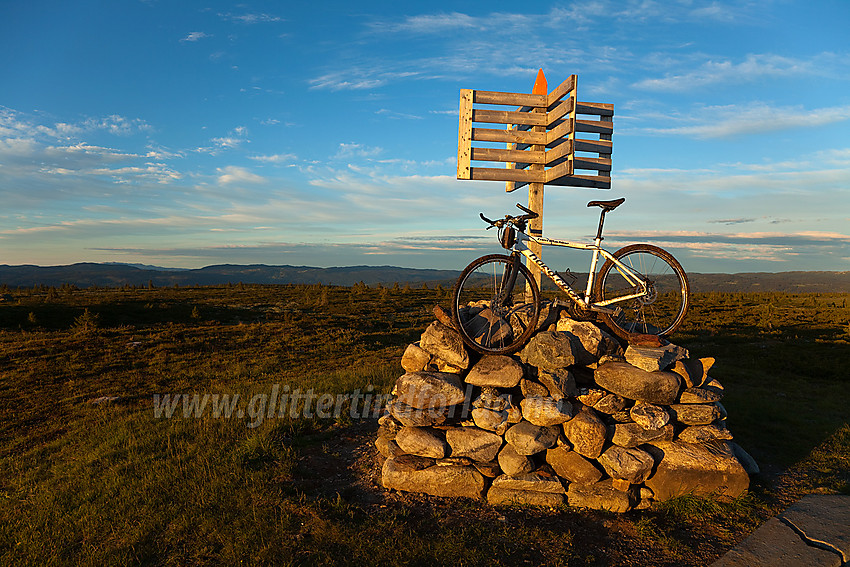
(186, 134)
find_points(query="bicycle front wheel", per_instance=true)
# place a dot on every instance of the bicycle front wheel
(658, 311)
(495, 305)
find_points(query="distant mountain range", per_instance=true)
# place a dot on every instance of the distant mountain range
(116, 275)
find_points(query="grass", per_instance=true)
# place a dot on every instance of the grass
(111, 484)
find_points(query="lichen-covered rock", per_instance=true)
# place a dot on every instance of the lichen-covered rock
(586, 432)
(570, 465)
(423, 390)
(529, 439)
(415, 358)
(447, 481)
(532, 388)
(695, 414)
(694, 371)
(530, 481)
(560, 383)
(599, 496)
(610, 404)
(687, 468)
(630, 435)
(705, 433)
(496, 371)
(474, 443)
(549, 350)
(589, 341)
(497, 496)
(649, 416)
(653, 359)
(413, 417)
(491, 420)
(700, 396)
(635, 384)
(632, 465)
(546, 411)
(446, 343)
(512, 463)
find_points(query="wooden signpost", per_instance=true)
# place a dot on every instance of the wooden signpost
(543, 147)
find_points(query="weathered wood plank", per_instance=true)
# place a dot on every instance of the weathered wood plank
(560, 110)
(512, 99)
(564, 128)
(559, 152)
(598, 146)
(508, 117)
(561, 90)
(599, 164)
(597, 108)
(496, 154)
(515, 136)
(500, 174)
(464, 134)
(559, 171)
(597, 182)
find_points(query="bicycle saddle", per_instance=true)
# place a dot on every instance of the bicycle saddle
(607, 205)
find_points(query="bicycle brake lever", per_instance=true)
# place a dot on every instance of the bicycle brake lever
(485, 219)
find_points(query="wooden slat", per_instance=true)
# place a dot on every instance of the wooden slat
(599, 164)
(597, 108)
(560, 110)
(559, 152)
(598, 182)
(512, 99)
(464, 134)
(565, 168)
(598, 146)
(564, 128)
(500, 174)
(515, 136)
(594, 127)
(495, 154)
(508, 117)
(566, 87)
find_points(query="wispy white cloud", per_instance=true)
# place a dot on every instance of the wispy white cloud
(195, 36)
(233, 174)
(352, 149)
(274, 158)
(251, 18)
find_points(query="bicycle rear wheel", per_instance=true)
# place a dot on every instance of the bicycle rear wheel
(662, 309)
(495, 305)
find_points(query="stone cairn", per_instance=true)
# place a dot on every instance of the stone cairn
(572, 419)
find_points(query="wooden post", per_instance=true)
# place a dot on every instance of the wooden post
(535, 190)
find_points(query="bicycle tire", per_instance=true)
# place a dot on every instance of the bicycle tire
(663, 310)
(495, 329)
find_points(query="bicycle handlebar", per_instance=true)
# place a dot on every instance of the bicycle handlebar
(519, 221)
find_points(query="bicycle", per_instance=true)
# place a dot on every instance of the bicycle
(640, 289)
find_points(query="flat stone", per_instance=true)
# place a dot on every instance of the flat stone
(694, 372)
(549, 350)
(497, 496)
(422, 441)
(413, 417)
(560, 383)
(630, 435)
(546, 411)
(695, 414)
(776, 544)
(496, 371)
(489, 470)
(570, 465)
(649, 416)
(415, 358)
(632, 465)
(635, 384)
(474, 443)
(531, 481)
(705, 433)
(443, 341)
(654, 359)
(423, 390)
(687, 468)
(700, 396)
(529, 439)
(449, 481)
(823, 519)
(512, 463)
(586, 432)
(599, 496)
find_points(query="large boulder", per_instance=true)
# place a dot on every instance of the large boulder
(423, 390)
(529, 439)
(587, 433)
(474, 443)
(549, 350)
(686, 468)
(496, 371)
(446, 343)
(446, 481)
(631, 382)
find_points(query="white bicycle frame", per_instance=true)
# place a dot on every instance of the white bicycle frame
(630, 275)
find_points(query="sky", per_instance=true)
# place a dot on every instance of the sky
(186, 134)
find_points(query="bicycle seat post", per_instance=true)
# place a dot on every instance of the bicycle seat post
(599, 230)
